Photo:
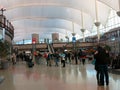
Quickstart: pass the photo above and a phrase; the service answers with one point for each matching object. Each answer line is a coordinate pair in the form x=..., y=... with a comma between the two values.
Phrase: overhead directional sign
x=73, y=39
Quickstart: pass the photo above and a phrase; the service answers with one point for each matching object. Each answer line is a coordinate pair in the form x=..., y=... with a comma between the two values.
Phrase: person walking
x=14, y=58
x=49, y=59
x=82, y=56
x=76, y=57
x=56, y=57
x=63, y=58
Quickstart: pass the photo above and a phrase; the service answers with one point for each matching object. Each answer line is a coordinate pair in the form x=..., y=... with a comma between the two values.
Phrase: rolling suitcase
x=30, y=64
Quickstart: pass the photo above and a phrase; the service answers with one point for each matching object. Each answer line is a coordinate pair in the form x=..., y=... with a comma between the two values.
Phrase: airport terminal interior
x=52, y=44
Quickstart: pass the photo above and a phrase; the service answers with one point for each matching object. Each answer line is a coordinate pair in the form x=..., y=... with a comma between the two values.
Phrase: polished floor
x=41, y=77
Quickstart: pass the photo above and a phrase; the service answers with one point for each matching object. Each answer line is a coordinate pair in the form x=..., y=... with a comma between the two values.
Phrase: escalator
x=50, y=48
x=53, y=51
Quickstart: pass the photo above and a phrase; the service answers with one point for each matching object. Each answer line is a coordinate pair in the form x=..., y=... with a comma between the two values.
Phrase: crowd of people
x=54, y=59
x=61, y=58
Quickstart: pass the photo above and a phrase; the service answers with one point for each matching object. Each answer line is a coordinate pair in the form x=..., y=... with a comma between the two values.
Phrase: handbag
x=93, y=62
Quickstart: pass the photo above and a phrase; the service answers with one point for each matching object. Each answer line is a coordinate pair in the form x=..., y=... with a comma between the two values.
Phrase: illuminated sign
x=33, y=40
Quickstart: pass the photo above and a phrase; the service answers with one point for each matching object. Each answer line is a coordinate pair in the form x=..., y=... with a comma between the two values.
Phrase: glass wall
x=112, y=22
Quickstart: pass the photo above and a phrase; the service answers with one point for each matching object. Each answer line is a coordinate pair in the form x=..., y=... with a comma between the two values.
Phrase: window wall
x=112, y=22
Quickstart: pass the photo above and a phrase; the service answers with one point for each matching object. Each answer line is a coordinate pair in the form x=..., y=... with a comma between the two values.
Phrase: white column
x=83, y=32
x=98, y=34
x=97, y=24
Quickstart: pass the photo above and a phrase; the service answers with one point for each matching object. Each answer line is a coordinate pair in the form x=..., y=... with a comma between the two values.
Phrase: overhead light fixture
x=118, y=13
x=66, y=37
x=97, y=24
x=73, y=34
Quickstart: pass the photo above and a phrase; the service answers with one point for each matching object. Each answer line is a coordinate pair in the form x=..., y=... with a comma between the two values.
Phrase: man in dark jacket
x=101, y=56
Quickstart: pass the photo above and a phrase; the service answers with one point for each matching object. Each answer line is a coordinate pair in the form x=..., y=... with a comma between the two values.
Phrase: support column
x=119, y=40
x=97, y=24
x=35, y=39
x=83, y=30
x=74, y=41
x=118, y=13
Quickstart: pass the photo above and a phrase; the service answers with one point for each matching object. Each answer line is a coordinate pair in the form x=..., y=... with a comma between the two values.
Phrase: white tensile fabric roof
x=55, y=16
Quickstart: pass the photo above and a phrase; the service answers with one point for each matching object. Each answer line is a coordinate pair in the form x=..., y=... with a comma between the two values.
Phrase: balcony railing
x=4, y=23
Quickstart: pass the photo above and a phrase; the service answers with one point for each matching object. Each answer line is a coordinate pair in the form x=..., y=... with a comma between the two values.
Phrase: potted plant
x=4, y=52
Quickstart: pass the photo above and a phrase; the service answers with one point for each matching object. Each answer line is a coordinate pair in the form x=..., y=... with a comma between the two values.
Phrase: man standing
x=101, y=56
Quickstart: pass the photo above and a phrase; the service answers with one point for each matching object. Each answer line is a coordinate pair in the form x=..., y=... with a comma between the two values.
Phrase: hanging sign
x=73, y=39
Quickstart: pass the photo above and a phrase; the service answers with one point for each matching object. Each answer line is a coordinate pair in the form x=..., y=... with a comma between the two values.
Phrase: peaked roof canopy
x=48, y=16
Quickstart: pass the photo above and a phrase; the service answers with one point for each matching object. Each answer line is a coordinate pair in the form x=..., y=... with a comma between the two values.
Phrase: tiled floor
x=72, y=77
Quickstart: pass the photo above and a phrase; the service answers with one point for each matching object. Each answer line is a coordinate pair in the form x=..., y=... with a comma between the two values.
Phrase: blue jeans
x=56, y=62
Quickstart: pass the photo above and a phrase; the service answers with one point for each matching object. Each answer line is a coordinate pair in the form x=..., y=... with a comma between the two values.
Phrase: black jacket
x=101, y=56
